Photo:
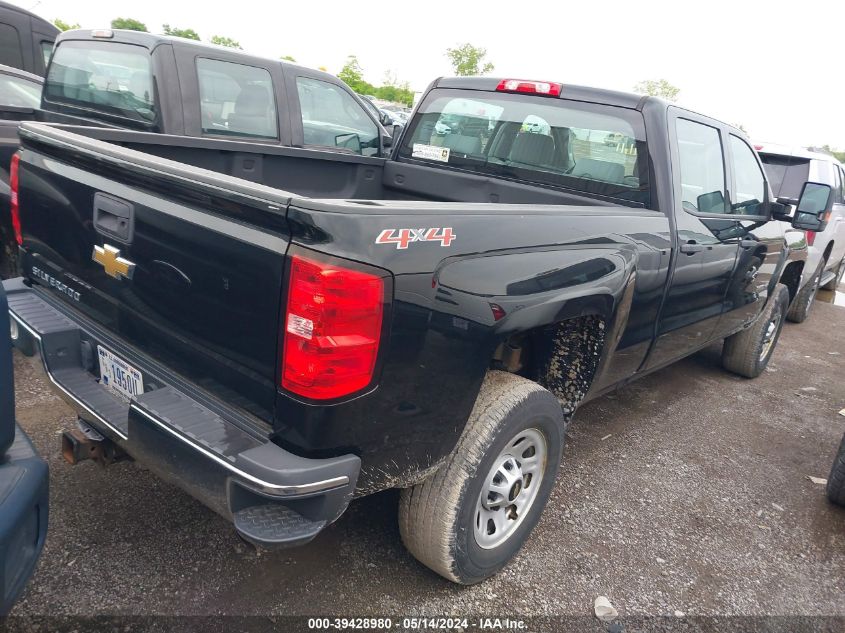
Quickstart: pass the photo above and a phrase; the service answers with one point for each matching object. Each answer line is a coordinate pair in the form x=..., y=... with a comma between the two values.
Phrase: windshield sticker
x=403, y=237
x=431, y=152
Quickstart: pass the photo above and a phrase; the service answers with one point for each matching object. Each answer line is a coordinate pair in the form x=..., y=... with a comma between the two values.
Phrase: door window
x=837, y=185
x=702, y=167
x=46, y=51
x=331, y=117
x=236, y=100
x=750, y=194
x=10, y=46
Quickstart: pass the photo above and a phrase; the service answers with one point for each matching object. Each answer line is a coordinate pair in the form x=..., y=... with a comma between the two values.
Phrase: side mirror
x=781, y=211
x=384, y=119
x=814, y=206
x=348, y=141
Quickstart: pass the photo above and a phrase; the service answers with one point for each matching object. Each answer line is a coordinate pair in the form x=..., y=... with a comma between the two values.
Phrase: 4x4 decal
x=403, y=237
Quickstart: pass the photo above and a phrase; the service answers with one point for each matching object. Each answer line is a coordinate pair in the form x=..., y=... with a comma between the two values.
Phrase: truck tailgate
x=182, y=263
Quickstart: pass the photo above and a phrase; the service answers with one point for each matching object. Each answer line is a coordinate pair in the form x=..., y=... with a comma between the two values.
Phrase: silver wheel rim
x=510, y=488
x=769, y=337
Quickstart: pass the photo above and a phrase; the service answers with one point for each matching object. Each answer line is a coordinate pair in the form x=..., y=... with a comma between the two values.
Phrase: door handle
x=749, y=244
x=691, y=247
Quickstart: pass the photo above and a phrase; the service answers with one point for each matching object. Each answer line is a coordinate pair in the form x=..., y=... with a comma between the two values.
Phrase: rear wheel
x=474, y=514
x=748, y=352
x=803, y=302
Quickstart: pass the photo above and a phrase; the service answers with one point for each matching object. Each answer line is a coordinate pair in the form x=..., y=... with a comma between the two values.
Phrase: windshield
x=110, y=77
x=591, y=148
x=787, y=174
x=19, y=92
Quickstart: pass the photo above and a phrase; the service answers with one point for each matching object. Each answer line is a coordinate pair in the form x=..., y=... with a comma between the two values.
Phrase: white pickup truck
x=788, y=168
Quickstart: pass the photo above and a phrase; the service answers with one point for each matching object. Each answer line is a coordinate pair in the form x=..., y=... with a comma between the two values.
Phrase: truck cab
x=26, y=40
x=170, y=85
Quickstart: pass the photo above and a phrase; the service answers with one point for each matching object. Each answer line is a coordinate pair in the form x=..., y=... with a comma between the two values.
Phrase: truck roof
x=795, y=151
x=576, y=93
x=48, y=27
x=151, y=40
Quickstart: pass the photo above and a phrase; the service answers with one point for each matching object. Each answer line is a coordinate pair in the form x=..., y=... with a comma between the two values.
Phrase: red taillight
x=332, y=329
x=811, y=237
x=13, y=199
x=545, y=88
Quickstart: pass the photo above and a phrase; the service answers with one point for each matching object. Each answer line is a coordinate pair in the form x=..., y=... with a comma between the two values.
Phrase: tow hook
x=85, y=443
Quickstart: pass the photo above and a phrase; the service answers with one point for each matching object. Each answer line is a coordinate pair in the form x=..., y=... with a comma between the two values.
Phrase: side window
x=702, y=167
x=236, y=100
x=332, y=118
x=749, y=181
x=842, y=174
x=46, y=51
x=837, y=185
x=10, y=46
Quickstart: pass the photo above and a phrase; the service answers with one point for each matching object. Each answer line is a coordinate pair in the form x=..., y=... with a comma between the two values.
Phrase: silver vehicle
x=788, y=168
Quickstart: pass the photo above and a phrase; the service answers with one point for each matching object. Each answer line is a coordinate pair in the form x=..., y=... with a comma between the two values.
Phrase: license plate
x=121, y=378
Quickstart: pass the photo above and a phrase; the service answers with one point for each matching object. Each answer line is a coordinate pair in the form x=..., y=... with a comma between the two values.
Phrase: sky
x=777, y=68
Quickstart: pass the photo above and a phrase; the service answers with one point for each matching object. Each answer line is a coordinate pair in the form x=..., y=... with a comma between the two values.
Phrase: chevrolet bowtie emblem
x=109, y=258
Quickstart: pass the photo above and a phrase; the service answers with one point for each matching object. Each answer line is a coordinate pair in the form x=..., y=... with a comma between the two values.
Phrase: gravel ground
x=687, y=490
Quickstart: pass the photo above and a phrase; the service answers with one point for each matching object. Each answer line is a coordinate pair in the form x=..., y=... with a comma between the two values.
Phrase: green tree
x=130, y=24
x=64, y=26
x=221, y=40
x=657, y=88
x=468, y=60
x=353, y=75
x=288, y=58
x=188, y=34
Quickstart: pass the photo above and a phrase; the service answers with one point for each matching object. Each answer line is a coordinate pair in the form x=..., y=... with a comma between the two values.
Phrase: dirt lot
x=686, y=491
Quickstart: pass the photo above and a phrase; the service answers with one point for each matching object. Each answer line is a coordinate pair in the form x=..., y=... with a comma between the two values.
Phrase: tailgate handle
x=114, y=218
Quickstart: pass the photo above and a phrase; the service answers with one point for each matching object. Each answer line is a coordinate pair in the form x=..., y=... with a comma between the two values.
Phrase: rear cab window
x=590, y=148
x=105, y=78
x=236, y=100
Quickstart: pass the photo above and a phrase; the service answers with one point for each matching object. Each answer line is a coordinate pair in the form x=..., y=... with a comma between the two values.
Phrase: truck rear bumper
x=23, y=516
x=273, y=497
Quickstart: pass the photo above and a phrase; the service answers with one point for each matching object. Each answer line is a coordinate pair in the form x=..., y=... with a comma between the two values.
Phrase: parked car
x=26, y=40
x=788, y=168
x=23, y=484
x=20, y=96
x=106, y=78
x=336, y=324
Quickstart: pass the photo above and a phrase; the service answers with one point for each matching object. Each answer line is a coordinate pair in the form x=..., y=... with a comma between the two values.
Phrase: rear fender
x=514, y=292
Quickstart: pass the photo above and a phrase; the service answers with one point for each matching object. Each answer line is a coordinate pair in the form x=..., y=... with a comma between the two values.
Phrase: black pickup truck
x=170, y=85
x=278, y=329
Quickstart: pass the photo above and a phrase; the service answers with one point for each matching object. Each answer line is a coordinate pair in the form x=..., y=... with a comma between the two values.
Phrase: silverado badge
x=109, y=258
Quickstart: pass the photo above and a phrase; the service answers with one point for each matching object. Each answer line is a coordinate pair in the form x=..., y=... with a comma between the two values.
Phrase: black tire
x=833, y=284
x=437, y=518
x=836, y=479
x=748, y=352
x=800, y=308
